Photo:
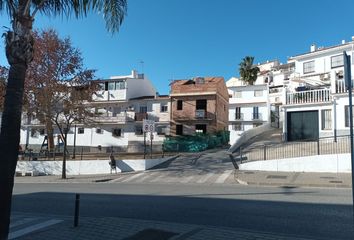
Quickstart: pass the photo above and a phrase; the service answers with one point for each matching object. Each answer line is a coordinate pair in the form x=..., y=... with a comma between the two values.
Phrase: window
x=337, y=61
x=161, y=130
x=179, y=129
x=143, y=109
x=200, y=128
x=163, y=108
x=99, y=131
x=256, y=114
x=327, y=119
x=347, y=116
x=101, y=86
x=309, y=67
x=111, y=85
x=80, y=130
x=258, y=93
x=237, y=127
x=34, y=133
x=42, y=131
x=120, y=85
x=179, y=105
x=238, y=114
x=117, y=132
x=238, y=94
x=201, y=104
x=139, y=130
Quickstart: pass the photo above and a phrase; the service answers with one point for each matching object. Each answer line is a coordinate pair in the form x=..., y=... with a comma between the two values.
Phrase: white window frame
x=337, y=61
x=309, y=67
x=326, y=119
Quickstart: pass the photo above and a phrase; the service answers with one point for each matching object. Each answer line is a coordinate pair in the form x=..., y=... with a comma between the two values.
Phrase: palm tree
x=248, y=71
x=19, y=53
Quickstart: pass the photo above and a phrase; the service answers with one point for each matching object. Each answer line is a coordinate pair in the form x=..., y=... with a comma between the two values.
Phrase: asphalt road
x=310, y=212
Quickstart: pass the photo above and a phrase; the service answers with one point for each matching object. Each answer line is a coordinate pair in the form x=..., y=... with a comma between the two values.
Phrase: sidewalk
x=109, y=228
x=294, y=179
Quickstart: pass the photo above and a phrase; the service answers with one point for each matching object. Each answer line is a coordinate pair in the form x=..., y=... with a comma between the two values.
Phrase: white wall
x=87, y=166
x=321, y=163
x=139, y=87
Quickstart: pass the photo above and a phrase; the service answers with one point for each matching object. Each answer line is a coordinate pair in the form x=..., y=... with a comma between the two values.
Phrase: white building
x=316, y=104
x=248, y=107
x=121, y=105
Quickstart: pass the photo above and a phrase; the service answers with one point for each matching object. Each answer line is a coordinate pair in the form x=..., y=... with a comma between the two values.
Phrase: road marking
x=132, y=177
x=21, y=222
x=186, y=179
x=224, y=176
x=205, y=178
x=33, y=228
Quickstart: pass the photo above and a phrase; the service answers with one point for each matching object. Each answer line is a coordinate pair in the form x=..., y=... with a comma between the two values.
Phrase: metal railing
x=322, y=146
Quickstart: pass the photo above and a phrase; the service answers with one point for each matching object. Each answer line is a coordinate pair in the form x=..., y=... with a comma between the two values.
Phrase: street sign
x=148, y=125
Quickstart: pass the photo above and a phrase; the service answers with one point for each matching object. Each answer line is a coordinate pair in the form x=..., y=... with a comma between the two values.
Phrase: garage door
x=302, y=125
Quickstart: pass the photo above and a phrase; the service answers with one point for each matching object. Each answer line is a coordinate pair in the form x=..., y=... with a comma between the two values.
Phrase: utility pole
x=348, y=83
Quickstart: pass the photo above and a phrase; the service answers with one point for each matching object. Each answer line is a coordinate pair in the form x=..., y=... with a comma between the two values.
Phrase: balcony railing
x=311, y=96
x=239, y=116
x=256, y=116
x=200, y=113
x=341, y=87
x=119, y=118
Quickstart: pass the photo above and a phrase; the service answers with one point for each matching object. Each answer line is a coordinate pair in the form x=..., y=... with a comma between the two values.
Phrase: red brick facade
x=205, y=104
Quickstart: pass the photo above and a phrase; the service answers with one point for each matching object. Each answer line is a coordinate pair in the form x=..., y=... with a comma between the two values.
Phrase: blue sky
x=186, y=38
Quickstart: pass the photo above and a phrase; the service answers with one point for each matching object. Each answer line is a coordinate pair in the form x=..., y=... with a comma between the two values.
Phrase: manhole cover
x=151, y=234
x=336, y=181
x=276, y=177
x=328, y=177
x=248, y=172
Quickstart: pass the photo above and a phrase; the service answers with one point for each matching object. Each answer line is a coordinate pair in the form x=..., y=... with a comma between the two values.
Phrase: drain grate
x=151, y=234
x=336, y=181
x=276, y=177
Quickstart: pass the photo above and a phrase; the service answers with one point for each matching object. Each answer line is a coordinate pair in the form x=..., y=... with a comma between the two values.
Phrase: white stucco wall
x=339, y=163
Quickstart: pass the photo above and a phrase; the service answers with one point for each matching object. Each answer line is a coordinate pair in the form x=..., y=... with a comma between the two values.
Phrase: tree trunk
x=9, y=142
x=63, y=173
x=19, y=53
x=50, y=134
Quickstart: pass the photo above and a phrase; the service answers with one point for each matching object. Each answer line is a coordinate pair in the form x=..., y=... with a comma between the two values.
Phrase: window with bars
x=309, y=67
x=327, y=119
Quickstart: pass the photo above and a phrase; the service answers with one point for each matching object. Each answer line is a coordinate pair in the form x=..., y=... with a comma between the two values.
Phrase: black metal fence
x=87, y=153
x=322, y=146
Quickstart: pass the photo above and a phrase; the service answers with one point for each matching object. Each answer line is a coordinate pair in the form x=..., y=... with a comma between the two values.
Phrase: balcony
x=341, y=87
x=200, y=114
x=119, y=118
x=239, y=116
x=256, y=116
x=311, y=96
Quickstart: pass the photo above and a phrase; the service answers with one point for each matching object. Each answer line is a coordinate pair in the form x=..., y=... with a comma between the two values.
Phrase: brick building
x=199, y=105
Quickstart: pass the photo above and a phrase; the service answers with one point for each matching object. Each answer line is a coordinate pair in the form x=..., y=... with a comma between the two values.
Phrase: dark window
x=337, y=61
x=238, y=113
x=99, y=130
x=200, y=128
x=179, y=105
x=164, y=108
x=201, y=104
x=256, y=114
x=179, y=129
x=34, y=133
x=161, y=130
x=143, y=109
x=81, y=131
x=117, y=132
x=238, y=127
x=42, y=131
x=139, y=130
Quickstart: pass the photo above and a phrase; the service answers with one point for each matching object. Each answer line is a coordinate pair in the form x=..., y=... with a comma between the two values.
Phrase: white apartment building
x=121, y=105
x=316, y=101
x=248, y=107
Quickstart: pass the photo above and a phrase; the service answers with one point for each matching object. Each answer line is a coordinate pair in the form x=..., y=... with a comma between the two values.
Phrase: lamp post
x=348, y=83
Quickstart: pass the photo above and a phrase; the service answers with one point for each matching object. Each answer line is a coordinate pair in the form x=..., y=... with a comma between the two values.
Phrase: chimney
x=134, y=74
x=313, y=47
x=343, y=41
x=352, y=38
